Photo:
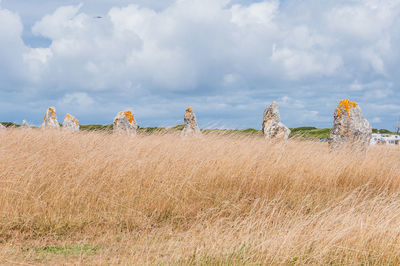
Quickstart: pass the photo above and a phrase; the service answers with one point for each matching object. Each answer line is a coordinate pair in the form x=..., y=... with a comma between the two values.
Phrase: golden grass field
x=95, y=198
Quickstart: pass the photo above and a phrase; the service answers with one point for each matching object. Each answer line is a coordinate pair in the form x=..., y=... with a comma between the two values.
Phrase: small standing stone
x=272, y=126
x=2, y=127
x=25, y=125
x=50, y=119
x=70, y=123
x=191, y=128
x=125, y=122
x=350, y=126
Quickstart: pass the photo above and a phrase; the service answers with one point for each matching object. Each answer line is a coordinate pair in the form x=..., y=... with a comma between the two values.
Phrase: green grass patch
x=383, y=131
x=310, y=132
x=176, y=128
x=96, y=127
x=152, y=129
x=67, y=250
x=245, y=132
x=302, y=129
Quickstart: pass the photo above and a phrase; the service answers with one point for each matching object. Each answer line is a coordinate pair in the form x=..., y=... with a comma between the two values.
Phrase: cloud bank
x=225, y=58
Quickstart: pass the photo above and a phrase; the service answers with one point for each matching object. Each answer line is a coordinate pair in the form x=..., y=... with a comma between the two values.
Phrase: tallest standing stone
x=350, y=126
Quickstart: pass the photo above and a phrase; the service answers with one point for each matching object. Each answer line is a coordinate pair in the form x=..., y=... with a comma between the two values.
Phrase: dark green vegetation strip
x=96, y=127
x=298, y=132
x=310, y=132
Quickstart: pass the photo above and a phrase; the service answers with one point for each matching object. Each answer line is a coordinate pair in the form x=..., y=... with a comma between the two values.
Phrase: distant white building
x=385, y=139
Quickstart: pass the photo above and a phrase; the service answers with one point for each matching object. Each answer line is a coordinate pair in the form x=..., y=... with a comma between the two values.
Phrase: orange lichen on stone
x=130, y=116
x=52, y=113
x=189, y=110
x=346, y=104
x=76, y=121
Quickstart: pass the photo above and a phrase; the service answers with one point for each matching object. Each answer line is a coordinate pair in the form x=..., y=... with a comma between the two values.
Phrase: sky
x=228, y=59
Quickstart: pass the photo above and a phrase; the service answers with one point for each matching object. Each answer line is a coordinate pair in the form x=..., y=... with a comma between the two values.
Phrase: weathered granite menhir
x=349, y=126
x=272, y=126
x=125, y=123
x=191, y=128
x=50, y=119
x=70, y=123
x=25, y=125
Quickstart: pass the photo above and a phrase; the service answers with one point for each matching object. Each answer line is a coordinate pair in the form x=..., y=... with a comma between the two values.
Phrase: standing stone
x=25, y=125
x=50, y=119
x=350, y=126
x=2, y=128
x=125, y=122
x=70, y=123
x=272, y=126
x=191, y=128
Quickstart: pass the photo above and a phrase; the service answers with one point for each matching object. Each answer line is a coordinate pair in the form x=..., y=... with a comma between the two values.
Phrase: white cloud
x=79, y=99
x=365, y=19
x=298, y=64
x=11, y=47
x=179, y=47
x=261, y=13
x=376, y=120
x=377, y=94
x=356, y=86
x=289, y=102
x=64, y=22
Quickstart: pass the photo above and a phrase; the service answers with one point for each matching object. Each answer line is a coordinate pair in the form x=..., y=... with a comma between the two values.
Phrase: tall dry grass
x=230, y=199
